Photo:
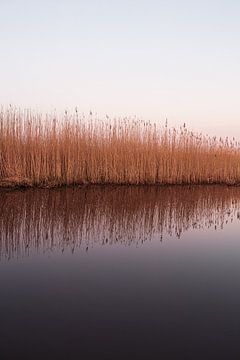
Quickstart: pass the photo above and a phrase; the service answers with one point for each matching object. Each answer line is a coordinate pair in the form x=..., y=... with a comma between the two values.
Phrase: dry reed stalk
x=38, y=150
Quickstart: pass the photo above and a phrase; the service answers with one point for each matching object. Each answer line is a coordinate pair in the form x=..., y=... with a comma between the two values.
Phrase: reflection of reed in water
x=46, y=219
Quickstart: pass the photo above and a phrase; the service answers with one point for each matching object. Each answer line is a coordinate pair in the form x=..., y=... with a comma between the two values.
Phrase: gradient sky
x=154, y=59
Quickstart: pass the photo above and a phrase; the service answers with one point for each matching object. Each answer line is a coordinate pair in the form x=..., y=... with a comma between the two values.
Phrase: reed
x=49, y=151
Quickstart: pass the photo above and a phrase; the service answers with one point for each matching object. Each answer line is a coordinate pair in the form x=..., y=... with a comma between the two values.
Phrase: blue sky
x=153, y=59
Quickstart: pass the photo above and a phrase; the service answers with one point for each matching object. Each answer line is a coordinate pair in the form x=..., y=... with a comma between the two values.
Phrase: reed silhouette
x=68, y=218
x=51, y=151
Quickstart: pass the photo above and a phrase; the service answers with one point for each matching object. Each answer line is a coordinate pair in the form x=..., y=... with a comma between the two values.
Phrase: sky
x=171, y=59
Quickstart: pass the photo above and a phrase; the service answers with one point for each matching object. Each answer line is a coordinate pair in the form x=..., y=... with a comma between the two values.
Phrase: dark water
x=120, y=273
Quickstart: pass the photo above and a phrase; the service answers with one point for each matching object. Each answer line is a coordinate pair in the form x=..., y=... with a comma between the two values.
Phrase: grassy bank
x=37, y=150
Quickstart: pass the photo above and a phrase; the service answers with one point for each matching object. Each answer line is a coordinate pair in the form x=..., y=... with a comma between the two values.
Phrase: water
x=120, y=273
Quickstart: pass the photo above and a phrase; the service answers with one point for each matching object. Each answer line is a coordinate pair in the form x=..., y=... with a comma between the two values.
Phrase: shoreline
x=6, y=185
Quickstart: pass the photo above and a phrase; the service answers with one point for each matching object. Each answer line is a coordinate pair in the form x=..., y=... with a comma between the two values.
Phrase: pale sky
x=154, y=59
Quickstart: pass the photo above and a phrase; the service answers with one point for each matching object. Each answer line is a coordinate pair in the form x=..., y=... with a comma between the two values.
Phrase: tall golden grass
x=37, y=150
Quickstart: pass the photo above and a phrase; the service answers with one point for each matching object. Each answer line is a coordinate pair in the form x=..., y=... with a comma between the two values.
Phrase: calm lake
x=107, y=272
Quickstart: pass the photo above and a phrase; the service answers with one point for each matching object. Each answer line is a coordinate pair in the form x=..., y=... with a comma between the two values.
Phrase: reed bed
x=50, y=150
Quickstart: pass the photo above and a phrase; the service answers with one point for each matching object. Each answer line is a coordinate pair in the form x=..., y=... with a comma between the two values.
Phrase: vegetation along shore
x=72, y=149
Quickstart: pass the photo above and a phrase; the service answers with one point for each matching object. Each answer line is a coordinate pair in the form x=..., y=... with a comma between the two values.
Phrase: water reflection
x=69, y=218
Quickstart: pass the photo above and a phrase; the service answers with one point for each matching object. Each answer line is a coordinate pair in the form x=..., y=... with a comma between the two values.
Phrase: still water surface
x=120, y=273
